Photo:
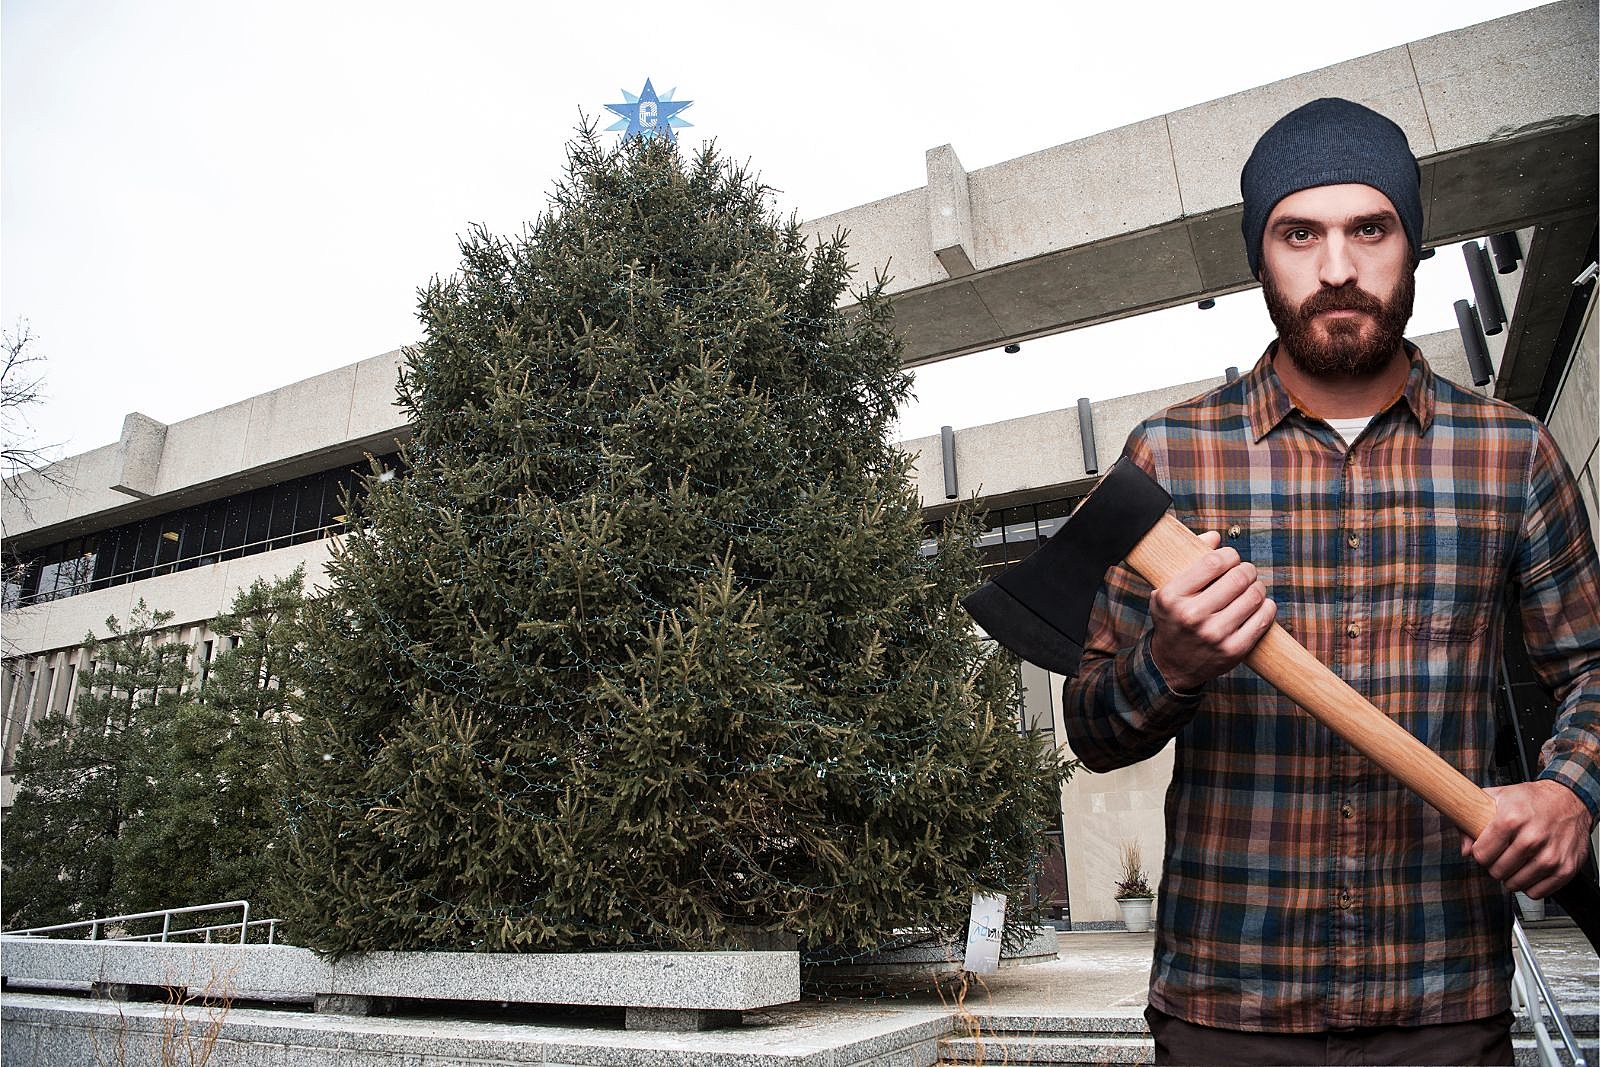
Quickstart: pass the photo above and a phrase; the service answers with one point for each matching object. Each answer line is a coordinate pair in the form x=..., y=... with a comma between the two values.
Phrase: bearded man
x=1312, y=910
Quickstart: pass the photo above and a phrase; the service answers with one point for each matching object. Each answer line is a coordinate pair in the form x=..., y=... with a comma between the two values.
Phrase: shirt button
x=1234, y=531
x=1353, y=632
x=1348, y=811
x=1344, y=899
x=1354, y=540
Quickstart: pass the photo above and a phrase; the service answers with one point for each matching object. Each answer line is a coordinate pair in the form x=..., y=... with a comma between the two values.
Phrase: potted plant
x=1133, y=891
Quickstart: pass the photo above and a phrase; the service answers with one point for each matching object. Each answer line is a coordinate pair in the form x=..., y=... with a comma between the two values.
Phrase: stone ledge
x=49, y=1031
x=695, y=981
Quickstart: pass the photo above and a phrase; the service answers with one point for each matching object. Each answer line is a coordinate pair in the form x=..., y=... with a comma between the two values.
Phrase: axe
x=1039, y=609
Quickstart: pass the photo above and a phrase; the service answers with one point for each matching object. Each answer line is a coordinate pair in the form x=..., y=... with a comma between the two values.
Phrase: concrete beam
x=1502, y=116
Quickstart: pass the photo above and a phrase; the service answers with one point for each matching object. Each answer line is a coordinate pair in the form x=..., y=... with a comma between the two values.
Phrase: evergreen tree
x=80, y=780
x=644, y=649
x=209, y=829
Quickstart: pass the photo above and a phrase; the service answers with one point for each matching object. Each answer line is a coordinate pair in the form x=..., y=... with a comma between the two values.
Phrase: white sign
x=983, y=932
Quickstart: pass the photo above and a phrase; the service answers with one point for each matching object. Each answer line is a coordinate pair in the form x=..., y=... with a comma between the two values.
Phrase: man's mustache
x=1344, y=298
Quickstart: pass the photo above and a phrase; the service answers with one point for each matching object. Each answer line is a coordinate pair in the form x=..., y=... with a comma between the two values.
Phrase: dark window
x=237, y=527
x=256, y=530
x=334, y=493
x=105, y=563
x=1020, y=525
x=19, y=575
x=308, y=507
x=1021, y=532
x=147, y=544
x=283, y=511
x=49, y=571
x=216, y=519
x=290, y=512
x=1052, y=513
x=77, y=566
x=191, y=526
x=169, y=541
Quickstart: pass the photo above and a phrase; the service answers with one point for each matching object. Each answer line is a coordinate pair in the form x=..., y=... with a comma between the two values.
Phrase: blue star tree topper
x=649, y=115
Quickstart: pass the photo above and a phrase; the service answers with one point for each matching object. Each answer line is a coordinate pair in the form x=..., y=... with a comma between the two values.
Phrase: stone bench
x=658, y=990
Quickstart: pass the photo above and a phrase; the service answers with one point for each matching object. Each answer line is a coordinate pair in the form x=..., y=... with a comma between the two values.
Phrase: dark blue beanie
x=1329, y=142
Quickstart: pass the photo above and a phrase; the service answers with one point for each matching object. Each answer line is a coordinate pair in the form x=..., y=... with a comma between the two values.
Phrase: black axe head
x=1039, y=609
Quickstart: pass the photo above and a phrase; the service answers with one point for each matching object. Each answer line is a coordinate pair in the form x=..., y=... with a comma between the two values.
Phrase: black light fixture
x=1486, y=294
x=1207, y=304
x=1091, y=461
x=1012, y=350
x=1472, y=340
x=1507, y=251
x=947, y=443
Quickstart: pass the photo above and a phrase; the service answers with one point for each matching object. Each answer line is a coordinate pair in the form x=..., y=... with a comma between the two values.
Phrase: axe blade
x=1039, y=609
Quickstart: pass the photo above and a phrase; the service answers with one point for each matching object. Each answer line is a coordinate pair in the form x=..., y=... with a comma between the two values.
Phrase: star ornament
x=649, y=115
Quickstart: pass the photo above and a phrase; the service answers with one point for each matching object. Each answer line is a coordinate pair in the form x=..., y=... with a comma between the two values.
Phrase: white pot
x=1136, y=913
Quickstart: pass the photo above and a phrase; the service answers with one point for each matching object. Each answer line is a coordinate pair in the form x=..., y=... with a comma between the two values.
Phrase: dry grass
x=190, y=1027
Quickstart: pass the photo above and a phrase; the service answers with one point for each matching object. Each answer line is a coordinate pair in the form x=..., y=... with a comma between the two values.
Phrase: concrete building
x=1503, y=117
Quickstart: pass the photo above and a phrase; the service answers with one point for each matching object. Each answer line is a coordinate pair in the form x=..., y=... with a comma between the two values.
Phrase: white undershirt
x=1350, y=429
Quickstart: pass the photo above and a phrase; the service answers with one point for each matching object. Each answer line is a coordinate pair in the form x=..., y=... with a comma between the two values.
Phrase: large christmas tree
x=644, y=648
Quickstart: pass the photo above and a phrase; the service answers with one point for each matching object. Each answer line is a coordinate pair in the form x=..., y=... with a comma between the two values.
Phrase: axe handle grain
x=1170, y=547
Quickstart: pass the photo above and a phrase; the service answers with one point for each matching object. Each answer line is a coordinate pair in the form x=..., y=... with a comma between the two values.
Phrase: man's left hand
x=1537, y=839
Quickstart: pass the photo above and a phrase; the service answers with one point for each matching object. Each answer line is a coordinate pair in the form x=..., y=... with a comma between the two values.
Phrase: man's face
x=1336, y=271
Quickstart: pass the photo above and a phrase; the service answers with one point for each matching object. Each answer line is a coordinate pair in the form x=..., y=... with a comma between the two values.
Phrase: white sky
x=201, y=201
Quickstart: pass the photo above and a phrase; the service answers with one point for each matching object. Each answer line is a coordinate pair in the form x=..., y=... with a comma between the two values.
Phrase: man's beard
x=1347, y=350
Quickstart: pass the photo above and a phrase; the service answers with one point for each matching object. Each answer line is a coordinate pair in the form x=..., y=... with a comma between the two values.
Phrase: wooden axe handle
x=1170, y=547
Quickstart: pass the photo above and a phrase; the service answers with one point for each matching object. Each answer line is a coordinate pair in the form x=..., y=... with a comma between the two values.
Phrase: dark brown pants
x=1482, y=1041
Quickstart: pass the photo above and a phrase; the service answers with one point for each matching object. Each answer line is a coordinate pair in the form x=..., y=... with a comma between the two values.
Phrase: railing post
x=166, y=923
x=244, y=924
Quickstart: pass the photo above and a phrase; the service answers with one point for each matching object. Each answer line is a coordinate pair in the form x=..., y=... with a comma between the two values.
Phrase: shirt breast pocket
x=1263, y=538
x=1452, y=568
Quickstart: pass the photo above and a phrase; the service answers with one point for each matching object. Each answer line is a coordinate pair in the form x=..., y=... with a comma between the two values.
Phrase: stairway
x=1056, y=1040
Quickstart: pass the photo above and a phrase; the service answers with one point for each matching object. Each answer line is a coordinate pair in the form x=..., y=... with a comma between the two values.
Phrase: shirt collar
x=1268, y=403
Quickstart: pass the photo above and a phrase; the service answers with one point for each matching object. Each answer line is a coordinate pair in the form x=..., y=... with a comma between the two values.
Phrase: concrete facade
x=303, y=427
x=1146, y=216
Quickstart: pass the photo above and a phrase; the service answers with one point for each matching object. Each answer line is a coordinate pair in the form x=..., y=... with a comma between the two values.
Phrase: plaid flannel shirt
x=1303, y=888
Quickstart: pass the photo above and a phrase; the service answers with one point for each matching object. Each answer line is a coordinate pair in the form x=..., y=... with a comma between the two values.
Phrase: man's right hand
x=1208, y=617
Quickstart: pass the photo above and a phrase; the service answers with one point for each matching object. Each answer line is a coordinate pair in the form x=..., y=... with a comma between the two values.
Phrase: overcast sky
x=204, y=201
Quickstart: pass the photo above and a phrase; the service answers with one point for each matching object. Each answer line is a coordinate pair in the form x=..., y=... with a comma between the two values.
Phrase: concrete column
x=949, y=212
x=138, y=459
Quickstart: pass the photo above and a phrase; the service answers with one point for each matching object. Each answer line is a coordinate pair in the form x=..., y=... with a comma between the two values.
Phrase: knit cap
x=1329, y=142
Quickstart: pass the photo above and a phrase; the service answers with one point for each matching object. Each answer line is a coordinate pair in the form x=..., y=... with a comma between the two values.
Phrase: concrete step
x=1067, y=1040
x=1018, y=1050
x=1042, y=1050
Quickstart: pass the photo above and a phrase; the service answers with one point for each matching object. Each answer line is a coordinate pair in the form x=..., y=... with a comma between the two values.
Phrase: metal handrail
x=164, y=914
x=1528, y=964
x=270, y=924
